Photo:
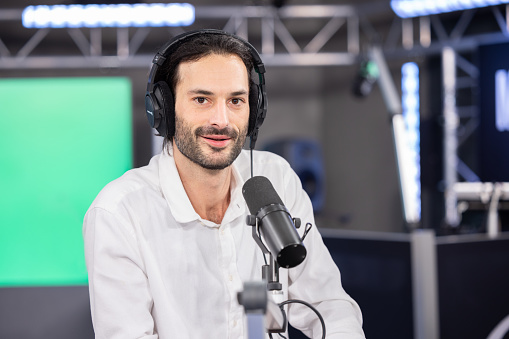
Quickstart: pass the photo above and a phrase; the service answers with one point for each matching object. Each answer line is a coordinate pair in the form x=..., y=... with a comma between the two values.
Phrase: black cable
x=282, y=336
x=311, y=307
x=285, y=321
x=251, y=162
x=257, y=229
x=260, y=237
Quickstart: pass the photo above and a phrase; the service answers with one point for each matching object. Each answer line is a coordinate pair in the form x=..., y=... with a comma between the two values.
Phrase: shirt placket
x=232, y=281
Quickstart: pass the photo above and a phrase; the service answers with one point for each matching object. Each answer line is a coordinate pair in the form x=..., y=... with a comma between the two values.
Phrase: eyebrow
x=239, y=93
x=205, y=92
x=199, y=91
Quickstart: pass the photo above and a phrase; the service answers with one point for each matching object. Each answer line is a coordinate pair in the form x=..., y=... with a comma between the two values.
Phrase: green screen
x=61, y=141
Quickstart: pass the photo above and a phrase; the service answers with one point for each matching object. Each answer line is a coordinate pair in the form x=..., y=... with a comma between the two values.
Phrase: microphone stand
x=263, y=301
x=275, y=320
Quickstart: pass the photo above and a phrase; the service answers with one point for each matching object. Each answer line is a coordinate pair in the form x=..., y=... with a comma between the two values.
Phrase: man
x=167, y=245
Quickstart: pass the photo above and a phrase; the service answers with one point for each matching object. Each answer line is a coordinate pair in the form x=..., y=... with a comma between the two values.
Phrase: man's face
x=212, y=110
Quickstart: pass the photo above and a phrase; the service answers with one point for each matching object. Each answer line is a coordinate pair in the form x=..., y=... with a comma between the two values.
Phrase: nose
x=219, y=116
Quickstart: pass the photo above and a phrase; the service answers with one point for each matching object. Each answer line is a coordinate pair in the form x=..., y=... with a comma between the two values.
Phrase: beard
x=188, y=144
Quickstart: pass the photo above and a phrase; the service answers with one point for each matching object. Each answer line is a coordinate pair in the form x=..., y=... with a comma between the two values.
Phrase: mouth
x=216, y=140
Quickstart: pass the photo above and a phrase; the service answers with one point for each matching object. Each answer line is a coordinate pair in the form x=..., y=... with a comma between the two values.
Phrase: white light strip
x=413, y=8
x=121, y=15
x=502, y=100
x=411, y=116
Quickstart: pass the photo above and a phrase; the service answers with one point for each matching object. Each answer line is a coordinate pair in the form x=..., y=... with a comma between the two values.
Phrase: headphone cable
x=251, y=162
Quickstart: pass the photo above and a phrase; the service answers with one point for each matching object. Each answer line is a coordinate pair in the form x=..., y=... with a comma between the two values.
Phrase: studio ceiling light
x=413, y=8
x=120, y=15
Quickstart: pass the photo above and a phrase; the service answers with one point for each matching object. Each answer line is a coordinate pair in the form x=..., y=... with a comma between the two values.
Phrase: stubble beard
x=188, y=144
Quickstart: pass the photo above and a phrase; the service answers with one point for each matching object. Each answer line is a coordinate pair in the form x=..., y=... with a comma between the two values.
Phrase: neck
x=208, y=190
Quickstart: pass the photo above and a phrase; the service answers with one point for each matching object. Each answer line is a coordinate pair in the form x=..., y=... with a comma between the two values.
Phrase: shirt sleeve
x=119, y=295
x=318, y=280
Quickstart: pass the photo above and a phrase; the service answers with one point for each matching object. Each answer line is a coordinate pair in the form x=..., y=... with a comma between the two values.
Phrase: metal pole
x=425, y=285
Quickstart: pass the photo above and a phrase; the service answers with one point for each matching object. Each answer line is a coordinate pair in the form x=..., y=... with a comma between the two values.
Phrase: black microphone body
x=275, y=222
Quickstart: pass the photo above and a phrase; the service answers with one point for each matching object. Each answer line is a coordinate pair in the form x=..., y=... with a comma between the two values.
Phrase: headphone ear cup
x=166, y=103
x=253, y=107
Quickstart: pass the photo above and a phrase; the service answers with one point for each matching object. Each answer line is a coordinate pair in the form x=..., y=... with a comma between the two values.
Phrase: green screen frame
x=61, y=141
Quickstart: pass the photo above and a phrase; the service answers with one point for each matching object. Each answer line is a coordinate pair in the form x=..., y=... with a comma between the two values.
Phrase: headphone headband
x=164, y=51
x=159, y=101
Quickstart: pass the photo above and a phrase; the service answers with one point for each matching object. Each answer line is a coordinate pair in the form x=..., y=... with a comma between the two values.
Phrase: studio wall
x=362, y=189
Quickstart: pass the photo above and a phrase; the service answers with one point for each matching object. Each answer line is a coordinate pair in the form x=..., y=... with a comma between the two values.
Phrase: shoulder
x=131, y=184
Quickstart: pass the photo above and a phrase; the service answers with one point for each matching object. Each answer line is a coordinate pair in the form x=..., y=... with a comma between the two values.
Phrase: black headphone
x=159, y=101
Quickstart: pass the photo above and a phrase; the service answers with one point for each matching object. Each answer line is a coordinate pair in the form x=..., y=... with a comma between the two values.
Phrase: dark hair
x=199, y=46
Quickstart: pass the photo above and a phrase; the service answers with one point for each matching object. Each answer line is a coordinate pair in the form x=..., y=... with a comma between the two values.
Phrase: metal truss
x=304, y=35
x=461, y=183
x=429, y=35
x=277, y=45
x=460, y=118
x=460, y=122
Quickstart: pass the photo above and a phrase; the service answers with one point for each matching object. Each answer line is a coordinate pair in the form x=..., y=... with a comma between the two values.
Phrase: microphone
x=275, y=222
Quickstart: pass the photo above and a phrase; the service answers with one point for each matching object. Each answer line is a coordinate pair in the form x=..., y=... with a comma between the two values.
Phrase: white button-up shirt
x=158, y=270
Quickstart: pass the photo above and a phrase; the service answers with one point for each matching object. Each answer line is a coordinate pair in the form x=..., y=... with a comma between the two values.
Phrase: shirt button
x=234, y=323
x=230, y=277
x=222, y=232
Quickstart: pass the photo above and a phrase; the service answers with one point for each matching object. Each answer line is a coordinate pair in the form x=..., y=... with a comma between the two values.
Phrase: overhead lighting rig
x=102, y=15
x=415, y=8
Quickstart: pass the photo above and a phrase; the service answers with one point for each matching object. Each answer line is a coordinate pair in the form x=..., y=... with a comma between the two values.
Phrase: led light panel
x=414, y=8
x=61, y=141
x=121, y=15
x=410, y=110
x=502, y=100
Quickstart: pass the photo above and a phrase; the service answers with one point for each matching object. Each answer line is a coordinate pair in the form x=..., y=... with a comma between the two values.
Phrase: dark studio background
x=341, y=146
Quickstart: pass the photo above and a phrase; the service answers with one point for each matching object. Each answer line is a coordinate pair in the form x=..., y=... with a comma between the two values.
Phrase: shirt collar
x=237, y=203
x=178, y=201
x=173, y=190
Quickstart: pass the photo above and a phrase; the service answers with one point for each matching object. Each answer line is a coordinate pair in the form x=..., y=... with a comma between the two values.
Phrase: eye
x=237, y=101
x=200, y=100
